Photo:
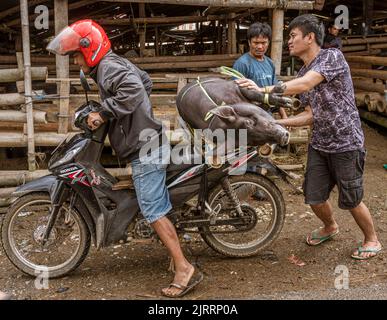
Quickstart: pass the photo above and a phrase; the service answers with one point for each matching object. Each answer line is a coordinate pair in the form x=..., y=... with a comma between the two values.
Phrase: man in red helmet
x=124, y=90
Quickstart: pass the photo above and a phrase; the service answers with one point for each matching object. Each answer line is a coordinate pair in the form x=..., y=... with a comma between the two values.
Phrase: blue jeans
x=149, y=177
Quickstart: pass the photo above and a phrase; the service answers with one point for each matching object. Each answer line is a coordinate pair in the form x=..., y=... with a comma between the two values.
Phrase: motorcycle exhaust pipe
x=266, y=150
x=296, y=104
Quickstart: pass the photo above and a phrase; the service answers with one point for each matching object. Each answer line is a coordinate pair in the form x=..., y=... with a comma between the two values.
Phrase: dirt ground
x=138, y=271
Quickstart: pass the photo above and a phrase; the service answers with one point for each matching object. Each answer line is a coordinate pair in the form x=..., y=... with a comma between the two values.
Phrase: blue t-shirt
x=261, y=72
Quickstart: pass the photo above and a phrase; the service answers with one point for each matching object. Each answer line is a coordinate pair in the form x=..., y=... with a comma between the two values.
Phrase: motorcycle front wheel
x=263, y=216
x=22, y=231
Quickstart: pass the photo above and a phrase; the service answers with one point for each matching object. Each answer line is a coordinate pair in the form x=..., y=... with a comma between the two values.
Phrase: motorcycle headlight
x=66, y=158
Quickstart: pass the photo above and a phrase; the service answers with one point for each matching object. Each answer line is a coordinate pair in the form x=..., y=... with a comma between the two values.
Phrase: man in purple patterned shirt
x=336, y=152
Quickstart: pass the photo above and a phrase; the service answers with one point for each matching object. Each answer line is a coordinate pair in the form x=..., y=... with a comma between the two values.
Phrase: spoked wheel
x=261, y=221
x=22, y=233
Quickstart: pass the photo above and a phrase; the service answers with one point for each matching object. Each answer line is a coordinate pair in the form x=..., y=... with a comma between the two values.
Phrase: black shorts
x=325, y=170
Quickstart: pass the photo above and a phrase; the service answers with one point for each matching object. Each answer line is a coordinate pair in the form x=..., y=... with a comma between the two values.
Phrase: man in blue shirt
x=254, y=64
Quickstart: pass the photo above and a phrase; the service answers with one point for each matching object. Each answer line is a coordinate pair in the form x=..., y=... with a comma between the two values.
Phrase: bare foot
x=373, y=246
x=322, y=232
x=182, y=278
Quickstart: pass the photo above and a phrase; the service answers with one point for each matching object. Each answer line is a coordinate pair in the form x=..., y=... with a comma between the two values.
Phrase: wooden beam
x=207, y=57
x=156, y=20
x=375, y=39
x=72, y=6
x=285, y=4
x=16, y=9
x=28, y=84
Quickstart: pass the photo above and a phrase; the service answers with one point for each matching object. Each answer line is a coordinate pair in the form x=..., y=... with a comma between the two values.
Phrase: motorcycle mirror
x=84, y=83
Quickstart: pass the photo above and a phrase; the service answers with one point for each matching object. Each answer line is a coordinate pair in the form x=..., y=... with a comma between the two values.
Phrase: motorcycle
x=53, y=220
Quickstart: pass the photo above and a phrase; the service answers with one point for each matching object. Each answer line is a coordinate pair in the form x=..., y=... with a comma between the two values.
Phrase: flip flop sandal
x=315, y=236
x=361, y=249
x=193, y=282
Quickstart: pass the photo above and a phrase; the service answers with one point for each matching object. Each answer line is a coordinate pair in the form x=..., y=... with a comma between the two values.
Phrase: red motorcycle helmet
x=85, y=36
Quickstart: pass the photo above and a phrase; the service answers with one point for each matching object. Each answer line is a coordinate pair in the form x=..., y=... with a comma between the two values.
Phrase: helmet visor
x=66, y=42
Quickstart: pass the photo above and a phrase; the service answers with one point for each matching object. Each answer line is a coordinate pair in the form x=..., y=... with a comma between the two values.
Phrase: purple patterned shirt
x=336, y=121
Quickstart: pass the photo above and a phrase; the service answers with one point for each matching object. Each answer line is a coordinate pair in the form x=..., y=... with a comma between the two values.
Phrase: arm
x=305, y=118
x=127, y=93
x=295, y=86
x=146, y=80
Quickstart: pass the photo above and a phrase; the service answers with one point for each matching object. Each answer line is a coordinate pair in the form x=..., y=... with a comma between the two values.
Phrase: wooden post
x=368, y=10
x=62, y=66
x=20, y=83
x=28, y=84
x=157, y=40
x=141, y=11
x=231, y=44
x=277, y=39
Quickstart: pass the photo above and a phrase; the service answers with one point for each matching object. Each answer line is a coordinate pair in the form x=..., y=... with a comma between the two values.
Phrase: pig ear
x=226, y=113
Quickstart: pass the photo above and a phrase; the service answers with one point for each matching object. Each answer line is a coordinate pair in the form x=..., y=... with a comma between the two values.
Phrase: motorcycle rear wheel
x=266, y=213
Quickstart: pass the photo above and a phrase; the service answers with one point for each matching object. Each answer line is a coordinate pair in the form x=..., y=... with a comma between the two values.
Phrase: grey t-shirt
x=336, y=121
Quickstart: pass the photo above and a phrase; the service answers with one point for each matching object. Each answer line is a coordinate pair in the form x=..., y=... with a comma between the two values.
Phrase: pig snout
x=282, y=136
x=285, y=139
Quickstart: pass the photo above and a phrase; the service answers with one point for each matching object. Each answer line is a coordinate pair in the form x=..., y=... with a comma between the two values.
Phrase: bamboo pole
x=9, y=99
x=370, y=116
x=360, y=99
x=381, y=106
x=364, y=47
x=380, y=61
x=364, y=40
x=18, y=116
x=375, y=74
x=28, y=84
x=10, y=178
x=62, y=66
x=277, y=39
x=366, y=85
x=13, y=75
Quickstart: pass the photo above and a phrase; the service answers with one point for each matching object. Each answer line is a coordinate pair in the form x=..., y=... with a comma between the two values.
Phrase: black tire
x=275, y=196
x=12, y=253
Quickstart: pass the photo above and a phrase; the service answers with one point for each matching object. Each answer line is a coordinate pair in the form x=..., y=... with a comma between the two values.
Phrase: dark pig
x=216, y=103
